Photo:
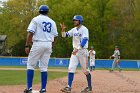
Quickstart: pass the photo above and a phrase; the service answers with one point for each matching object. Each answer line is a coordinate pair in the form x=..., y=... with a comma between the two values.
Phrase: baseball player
x=80, y=37
x=116, y=57
x=41, y=32
x=92, y=58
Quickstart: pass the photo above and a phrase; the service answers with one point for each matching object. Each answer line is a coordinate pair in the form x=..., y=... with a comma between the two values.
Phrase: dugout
x=2, y=43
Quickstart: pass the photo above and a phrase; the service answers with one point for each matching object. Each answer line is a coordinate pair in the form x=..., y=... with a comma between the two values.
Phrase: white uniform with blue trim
x=45, y=30
x=82, y=54
x=78, y=35
x=92, y=57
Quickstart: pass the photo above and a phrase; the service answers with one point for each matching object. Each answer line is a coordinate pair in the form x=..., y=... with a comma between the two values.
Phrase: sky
x=2, y=1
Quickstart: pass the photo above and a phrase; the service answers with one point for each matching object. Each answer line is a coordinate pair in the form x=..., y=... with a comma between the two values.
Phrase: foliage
x=110, y=23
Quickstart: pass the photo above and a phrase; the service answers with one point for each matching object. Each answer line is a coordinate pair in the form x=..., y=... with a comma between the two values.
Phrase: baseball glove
x=118, y=61
x=111, y=57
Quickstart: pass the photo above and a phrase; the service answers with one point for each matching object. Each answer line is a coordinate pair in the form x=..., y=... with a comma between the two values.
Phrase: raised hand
x=62, y=25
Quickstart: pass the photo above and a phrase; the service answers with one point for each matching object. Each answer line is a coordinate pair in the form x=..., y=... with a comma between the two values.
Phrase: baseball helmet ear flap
x=43, y=8
x=78, y=17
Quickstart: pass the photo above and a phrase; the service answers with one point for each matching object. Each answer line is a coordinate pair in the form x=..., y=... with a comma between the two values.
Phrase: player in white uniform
x=80, y=37
x=116, y=57
x=92, y=58
x=41, y=32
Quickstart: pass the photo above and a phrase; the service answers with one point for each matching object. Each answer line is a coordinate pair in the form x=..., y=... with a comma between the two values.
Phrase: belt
x=40, y=41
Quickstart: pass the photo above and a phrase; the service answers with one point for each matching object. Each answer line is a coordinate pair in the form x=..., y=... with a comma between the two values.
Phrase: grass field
x=125, y=69
x=18, y=77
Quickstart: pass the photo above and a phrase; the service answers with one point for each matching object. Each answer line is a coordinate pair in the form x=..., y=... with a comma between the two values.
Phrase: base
x=35, y=91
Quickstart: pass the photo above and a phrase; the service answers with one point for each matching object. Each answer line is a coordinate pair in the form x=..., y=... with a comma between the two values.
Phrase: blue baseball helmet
x=43, y=8
x=78, y=17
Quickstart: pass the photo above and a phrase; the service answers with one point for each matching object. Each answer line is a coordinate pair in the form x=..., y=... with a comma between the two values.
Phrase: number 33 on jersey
x=44, y=28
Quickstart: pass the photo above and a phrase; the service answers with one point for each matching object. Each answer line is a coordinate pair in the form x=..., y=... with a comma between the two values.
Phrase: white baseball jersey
x=92, y=54
x=92, y=57
x=116, y=54
x=78, y=36
x=44, y=29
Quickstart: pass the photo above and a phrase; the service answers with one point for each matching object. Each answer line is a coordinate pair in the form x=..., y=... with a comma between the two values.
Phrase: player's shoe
x=27, y=91
x=66, y=89
x=120, y=70
x=42, y=91
x=111, y=70
x=87, y=90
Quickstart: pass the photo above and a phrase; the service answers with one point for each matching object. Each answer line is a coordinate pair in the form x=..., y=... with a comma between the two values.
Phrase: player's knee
x=44, y=69
x=30, y=67
x=72, y=69
x=86, y=72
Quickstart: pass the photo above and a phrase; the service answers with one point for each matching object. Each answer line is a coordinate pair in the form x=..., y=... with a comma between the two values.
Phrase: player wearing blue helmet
x=78, y=17
x=41, y=32
x=80, y=37
x=43, y=9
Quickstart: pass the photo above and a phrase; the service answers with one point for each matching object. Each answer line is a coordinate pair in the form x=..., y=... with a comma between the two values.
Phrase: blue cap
x=78, y=17
x=44, y=8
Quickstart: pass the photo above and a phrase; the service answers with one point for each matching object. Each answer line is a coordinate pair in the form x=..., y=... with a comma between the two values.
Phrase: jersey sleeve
x=85, y=34
x=94, y=52
x=69, y=33
x=118, y=52
x=32, y=26
x=55, y=33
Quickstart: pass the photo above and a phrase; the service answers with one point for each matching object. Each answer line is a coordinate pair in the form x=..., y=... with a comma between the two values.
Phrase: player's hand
x=74, y=51
x=27, y=50
x=62, y=25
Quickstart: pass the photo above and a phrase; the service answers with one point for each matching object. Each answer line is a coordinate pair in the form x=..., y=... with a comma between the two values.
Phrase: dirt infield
x=103, y=82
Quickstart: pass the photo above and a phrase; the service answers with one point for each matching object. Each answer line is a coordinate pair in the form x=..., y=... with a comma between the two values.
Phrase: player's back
x=45, y=28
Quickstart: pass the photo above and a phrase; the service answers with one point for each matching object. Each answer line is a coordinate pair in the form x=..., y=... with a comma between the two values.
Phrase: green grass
x=12, y=66
x=26, y=66
x=15, y=77
x=78, y=68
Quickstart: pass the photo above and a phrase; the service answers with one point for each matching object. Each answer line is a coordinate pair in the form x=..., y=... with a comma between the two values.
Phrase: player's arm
x=31, y=30
x=119, y=55
x=83, y=43
x=55, y=33
x=84, y=39
x=28, y=42
x=63, y=27
x=118, y=59
x=65, y=34
x=54, y=42
x=112, y=56
x=93, y=52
